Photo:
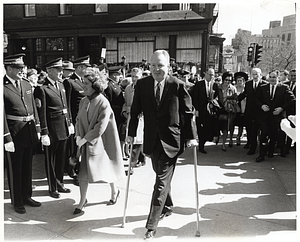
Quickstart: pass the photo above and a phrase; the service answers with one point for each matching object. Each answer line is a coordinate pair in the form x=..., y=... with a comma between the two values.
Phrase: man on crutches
x=168, y=124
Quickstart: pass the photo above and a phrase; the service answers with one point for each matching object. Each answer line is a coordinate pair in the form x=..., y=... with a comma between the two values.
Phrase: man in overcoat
x=56, y=125
x=21, y=132
x=168, y=116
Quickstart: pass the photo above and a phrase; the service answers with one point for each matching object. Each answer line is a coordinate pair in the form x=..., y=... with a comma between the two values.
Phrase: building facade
x=48, y=31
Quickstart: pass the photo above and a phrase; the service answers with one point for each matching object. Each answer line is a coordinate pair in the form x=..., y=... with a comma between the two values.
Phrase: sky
x=253, y=15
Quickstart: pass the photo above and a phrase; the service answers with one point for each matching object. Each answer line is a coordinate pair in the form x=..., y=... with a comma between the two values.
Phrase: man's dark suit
x=269, y=123
x=165, y=129
x=205, y=122
x=55, y=118
x=251, y=113
x=115, y=96
x=74, y=92
x=24, y=136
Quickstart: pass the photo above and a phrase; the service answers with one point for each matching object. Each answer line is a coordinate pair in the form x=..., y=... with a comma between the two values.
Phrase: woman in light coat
x=97, y=138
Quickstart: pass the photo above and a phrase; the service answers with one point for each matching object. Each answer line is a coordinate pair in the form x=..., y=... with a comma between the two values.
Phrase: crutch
x=127, y=187
x=196, y=190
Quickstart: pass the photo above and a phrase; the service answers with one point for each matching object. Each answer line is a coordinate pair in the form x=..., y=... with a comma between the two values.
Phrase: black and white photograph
x=159, y=120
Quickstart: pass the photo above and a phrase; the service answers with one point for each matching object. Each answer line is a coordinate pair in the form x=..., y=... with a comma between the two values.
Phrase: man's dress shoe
x=167, y=211
x=150, y=234
x=54, y=194
x=63, y=189
x=203, y=151
x=260, y=159
x=32, y=203
x=250, y=152
x=20, y=209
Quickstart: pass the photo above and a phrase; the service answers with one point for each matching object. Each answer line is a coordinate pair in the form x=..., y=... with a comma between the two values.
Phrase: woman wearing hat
x=97, y=138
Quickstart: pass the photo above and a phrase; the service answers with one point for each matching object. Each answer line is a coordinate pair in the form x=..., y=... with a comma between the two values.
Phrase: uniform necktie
x=272, y=92
x=157, y=94
x=17, y=83
x=56, y=85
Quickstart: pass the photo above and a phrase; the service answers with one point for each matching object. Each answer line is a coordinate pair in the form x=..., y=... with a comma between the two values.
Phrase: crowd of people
x=88, y=118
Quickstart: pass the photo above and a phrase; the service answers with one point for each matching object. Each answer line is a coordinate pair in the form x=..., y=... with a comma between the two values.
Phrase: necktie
x=17, y=83
x=207, y=89
x=272, y=92
x=56, y=85
x=255, y=85
x=157, y=95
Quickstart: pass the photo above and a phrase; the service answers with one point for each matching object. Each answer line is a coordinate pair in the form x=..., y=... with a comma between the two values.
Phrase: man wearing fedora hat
x=21, y=132
x=68, y=69
x=74, y=90
x=56, y=125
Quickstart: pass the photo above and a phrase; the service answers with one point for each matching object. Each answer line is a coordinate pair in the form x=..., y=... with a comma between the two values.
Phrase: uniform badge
x=28, y=92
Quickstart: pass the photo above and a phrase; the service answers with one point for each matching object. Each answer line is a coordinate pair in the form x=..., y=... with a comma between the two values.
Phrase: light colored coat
x=101, y=156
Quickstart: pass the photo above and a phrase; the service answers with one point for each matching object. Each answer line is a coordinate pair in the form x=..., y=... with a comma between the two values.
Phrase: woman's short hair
x=226, y=74
x=97, y=78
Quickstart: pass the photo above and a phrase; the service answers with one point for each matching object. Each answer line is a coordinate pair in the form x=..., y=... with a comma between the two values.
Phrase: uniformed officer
x=114, y=93
x=21, y=132
x=68, y=69
x=56, y=125
x=74, y=90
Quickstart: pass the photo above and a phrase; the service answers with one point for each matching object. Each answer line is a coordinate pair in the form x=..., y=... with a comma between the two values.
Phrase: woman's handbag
x=74, y=164
x=232, y=106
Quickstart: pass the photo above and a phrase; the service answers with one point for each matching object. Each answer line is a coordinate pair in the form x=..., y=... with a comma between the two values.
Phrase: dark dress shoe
x=283, y=153
x=246, y=146
x=20, y=209
x=150, y=234
x=260, y=159
x=131, y=172
x=270, y=155
x=250, y=152
x=113, y=202
x=32, y=203
x=54, y=194
x=63, y=189
x=203, y=151
x=167, y=211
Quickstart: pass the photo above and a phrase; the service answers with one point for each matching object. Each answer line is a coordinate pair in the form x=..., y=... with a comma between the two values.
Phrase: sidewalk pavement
x=240, y=200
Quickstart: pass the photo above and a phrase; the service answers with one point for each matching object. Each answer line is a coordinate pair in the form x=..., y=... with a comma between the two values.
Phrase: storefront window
x=54, y=44
x=39, y=60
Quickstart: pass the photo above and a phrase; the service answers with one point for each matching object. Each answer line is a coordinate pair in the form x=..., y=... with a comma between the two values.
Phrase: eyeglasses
x=228, y=80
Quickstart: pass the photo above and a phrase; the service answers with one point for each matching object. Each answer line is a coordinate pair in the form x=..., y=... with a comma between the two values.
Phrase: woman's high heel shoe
x=113, y=202
x=78, y=210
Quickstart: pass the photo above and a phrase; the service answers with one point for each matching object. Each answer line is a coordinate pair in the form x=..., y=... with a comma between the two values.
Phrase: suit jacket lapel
x=152, y=90
x=166, y=88
x=50, y=86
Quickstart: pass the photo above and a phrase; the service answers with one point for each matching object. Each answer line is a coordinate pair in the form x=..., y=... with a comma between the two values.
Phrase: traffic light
x=250, y=53
x=257, y=54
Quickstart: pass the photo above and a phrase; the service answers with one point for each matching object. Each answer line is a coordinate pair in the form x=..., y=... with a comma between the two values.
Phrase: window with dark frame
x=65, y=9
x=154, y=6
x=101, y=8
x=29, y=10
